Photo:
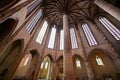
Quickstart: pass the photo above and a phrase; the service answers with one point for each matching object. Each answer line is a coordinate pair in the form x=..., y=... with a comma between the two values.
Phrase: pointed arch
x=79, y=67
x=59, y=58
x=104, y=52
x=103, y=66
x=23, y=66
x=6, y=28
x=60, y=66
x=28, y=66
x=8, y=57
x=50, y=56
x=45, y=68
x=33, y=62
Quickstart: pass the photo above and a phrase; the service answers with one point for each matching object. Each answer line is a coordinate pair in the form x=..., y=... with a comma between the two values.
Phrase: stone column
x=37, y=69
x=89, y=70
x=67, y=54
x=53, y=74
x=109, y=8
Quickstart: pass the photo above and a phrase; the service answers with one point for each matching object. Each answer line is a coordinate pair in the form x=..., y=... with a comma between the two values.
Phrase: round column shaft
x=67, y=54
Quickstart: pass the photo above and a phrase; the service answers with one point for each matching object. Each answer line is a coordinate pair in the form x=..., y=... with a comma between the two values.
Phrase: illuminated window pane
x=52, y=38
x=42, y=65
x=26, y=61
x=61, y=40
x=78, y=64
x=89, y=35
x=46, y=65
x=73, y=38
x=33, y=22
x=42, y=32
x=99, y=61
x=110, y=27
x=33, y=6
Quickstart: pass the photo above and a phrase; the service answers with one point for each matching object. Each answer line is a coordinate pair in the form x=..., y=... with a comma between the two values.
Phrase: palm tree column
x=69, y=73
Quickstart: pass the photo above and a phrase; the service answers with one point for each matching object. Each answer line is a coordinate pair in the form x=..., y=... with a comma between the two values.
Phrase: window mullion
x=52, y=38
x=109, y=26
x=106, y=26
x=92, y=37
x=76, y=45
x=42, y=32
x=86, y=33
x=90, y=34
x=116, y=31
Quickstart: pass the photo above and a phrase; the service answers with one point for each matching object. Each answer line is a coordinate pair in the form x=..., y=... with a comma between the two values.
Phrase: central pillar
x=109, y=8
x=69, y=73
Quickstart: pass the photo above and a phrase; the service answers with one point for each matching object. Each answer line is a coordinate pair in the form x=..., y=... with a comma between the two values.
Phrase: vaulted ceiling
x=77, y=10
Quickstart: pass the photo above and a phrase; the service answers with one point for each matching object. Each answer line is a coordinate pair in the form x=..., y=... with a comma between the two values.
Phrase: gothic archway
x=31, y=71
x=79, y=68
x=45, y=69
x=60, y=69
x=23, y=67
x=9, y=60
x=6, y=28
x=102, y=65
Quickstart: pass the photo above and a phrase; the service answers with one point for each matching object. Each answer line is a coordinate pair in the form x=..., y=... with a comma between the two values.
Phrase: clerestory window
x=42, y=32
x=30, y=27
x=110, y=27
x=90, y=38
x=52, y=38
x=73, y=38
x=61, y=40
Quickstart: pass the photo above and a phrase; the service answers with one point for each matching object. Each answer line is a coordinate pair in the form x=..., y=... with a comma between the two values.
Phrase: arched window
x=61, y=40
x=45, y=71
x=33, y=22
x=89, y=35
x=99, y=61
x=26, y=61
x=33, y=6
x=42, y=65
x=73, y=38
x=52, y=38
x=78, y=64
x=110, y=27
x=42, y=32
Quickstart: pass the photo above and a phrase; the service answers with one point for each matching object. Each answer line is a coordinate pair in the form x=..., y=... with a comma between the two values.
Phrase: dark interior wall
x=114, y=2
x=6, y=28
x=8, y=59
x=117, y=3
x=4, y=4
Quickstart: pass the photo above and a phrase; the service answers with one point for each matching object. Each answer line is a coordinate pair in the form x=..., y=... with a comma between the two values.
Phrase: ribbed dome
x=76, y=10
